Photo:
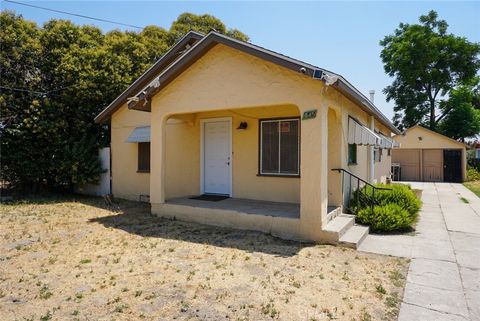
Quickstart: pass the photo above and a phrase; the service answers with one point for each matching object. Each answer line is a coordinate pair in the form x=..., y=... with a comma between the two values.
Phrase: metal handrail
x=370, y=199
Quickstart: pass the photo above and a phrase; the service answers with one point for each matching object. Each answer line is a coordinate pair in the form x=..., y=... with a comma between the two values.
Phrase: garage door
x=409, y=160
x=433, y=165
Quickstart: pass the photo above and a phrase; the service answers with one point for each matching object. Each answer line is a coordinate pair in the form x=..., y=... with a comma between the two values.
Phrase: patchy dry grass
x=79, y=260
x=474, y=186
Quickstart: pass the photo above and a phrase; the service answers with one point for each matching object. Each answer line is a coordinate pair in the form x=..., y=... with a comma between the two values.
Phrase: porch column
x=314, y=173
x=157, y=158
x=336, y=155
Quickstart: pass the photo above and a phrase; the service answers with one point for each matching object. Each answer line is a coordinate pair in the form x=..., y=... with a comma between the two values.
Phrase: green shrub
x=473, y=174
x=385, y=218
x=399, y=194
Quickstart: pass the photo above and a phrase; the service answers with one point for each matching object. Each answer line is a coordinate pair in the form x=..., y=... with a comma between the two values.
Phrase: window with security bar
x=279, y=147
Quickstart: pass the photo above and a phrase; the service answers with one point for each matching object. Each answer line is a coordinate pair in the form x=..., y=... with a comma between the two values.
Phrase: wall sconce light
x=243, y=125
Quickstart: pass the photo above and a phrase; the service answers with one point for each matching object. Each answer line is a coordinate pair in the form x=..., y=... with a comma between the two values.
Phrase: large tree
x=55, y=79
x=426, y=63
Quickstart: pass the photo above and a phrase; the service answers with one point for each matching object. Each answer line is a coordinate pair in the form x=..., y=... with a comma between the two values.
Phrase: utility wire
x=74, y=14
x=44, y=93
x=24, y=90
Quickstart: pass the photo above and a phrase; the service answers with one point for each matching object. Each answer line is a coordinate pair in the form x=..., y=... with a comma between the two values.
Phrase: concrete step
x=354, y=236
x=339, y=225
x=333, y=211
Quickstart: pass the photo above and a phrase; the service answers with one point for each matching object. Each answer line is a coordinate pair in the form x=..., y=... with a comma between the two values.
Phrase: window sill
x=143, y=171
x=351, y=164
x=279, y=175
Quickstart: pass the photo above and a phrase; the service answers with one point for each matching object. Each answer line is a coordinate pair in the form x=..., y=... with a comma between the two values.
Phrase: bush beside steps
x=394, y=210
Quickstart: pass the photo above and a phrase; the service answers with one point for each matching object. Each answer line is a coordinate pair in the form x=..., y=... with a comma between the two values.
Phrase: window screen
x=143, y=157
x=352, y=154
x=279, y=146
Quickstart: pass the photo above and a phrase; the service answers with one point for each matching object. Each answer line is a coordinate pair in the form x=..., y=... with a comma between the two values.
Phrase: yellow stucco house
x=223, y=132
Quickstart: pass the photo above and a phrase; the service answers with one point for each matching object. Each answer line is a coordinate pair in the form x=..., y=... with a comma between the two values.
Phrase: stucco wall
x=183, y=156
x=428, y=140
x=383, y=168
x=126, y=182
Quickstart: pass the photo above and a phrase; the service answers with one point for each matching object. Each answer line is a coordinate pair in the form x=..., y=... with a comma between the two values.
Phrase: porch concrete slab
x=451, y=302
x=248, y=206
x=410, y=312
x=434, y=273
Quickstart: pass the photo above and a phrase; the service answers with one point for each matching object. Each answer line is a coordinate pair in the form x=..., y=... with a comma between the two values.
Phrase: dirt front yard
x=77, y=259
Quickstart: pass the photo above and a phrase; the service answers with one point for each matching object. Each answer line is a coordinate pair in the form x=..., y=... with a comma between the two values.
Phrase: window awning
x=388, y=142
x=139, y=135
x=361, y=135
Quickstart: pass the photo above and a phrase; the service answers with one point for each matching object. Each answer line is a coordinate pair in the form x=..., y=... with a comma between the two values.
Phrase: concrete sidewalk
x=443, y=281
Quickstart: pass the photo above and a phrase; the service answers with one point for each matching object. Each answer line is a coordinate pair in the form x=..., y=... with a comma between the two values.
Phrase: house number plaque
x=309, y=114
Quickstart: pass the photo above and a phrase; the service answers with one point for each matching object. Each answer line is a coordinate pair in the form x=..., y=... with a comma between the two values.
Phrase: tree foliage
x=426, y=63
x=203, y=24
x=462, y=115
x=56, y=78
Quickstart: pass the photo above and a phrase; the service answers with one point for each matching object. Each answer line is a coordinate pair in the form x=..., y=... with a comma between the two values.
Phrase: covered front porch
x=262, y=160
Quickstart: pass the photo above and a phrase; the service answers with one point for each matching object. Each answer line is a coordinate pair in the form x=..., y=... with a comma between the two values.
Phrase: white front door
x=216, y=156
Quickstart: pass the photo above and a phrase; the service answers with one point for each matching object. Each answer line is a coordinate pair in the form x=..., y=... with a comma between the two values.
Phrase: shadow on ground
x=135, y=218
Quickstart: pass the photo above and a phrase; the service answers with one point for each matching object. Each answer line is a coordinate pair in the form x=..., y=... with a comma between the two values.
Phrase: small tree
x=426, y=63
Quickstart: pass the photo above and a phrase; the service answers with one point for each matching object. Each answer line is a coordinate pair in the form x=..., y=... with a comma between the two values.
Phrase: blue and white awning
x=139, y=135
x=361, y=135
x=388, y=142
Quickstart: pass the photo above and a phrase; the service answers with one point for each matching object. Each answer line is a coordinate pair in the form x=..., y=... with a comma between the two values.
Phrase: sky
x=341, y=36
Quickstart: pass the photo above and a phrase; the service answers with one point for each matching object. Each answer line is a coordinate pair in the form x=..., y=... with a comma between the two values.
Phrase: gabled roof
x=138, y=85
x=213, y=38
x=432, y=132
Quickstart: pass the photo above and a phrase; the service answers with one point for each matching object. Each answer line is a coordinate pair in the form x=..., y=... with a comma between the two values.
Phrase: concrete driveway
x=443, y=281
